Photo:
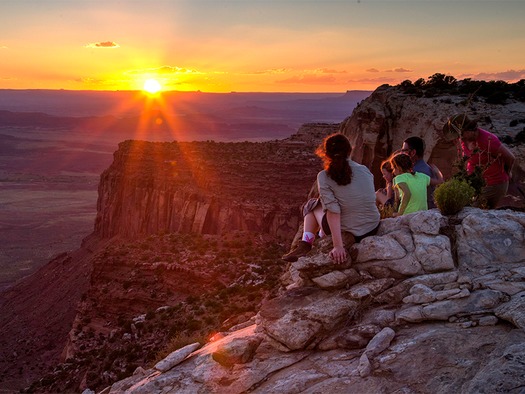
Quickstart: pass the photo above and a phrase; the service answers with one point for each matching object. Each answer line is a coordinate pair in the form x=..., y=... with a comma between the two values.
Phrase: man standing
x=415, y=148
x=485, y=150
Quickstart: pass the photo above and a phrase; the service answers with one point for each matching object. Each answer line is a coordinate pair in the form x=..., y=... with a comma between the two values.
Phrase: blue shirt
x=423, y=167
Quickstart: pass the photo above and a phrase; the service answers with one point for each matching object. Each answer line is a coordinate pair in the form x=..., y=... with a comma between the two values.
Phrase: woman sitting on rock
x=347, y=201
x=410, y=185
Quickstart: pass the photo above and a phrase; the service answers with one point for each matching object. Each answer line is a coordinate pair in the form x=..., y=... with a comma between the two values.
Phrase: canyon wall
x=213, y=188
x=208, y=187
x=379, y=125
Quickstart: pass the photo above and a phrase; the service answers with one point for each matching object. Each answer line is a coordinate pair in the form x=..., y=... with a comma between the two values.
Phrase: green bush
x=453, y=195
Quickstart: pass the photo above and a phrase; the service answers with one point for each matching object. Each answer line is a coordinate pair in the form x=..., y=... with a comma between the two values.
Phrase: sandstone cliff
x=208, y=187
x=380, y=123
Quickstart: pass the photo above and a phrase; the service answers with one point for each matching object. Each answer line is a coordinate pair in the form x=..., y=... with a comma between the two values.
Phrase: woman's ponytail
x=335, y=152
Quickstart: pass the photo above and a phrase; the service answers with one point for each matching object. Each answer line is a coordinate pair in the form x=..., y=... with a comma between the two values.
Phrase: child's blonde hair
x=402, y=162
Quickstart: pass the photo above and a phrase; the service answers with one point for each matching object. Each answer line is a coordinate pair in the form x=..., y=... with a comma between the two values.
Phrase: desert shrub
x=497, y=98
x=507, y=139
x=453, y=195
x=520, y=137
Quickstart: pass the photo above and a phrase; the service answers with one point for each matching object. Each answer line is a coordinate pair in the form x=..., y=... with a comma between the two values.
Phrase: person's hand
x=338, y=254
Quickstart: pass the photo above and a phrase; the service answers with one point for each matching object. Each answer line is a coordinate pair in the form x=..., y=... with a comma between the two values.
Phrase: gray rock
x=433, y=252
x=299, y=319
x=350, y=337
x=401, y=290
x=427, y=222
x=237, y=351
x=488, y=321
x=503, y=374
x=364, y=368
x=380, y=342
x=488, y=236
x=176, y=357
x=379, y=248
x=368, y=289
x=336, y=279
x=407, y=266
x=513, y=311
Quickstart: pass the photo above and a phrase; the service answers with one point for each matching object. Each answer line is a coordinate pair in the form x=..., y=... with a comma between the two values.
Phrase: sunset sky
x=257, y=46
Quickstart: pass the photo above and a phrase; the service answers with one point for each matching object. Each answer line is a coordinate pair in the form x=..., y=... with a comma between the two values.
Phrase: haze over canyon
x=55, y=144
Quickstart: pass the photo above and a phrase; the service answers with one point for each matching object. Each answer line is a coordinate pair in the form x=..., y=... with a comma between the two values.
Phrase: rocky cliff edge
x=432, y=304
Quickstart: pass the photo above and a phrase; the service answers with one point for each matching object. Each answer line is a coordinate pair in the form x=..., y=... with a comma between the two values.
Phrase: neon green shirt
x=417, y=184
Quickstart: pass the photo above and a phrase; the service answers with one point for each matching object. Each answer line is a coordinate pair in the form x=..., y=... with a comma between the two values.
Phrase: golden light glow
x=152, y=86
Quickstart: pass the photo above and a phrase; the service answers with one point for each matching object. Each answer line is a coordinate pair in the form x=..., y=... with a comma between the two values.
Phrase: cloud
x=175, y=70
x=104, y=44
x=375, y=81
x=329, y=71
x=399, y=70
x=87, y=80
x=274, y=71
x=310, y=79
x=271, y=71
x=509, y=76
x=163, y=70
x=372, y=70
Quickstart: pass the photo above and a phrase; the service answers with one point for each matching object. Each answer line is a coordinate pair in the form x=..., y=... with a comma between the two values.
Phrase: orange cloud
x=376, y=81
x=509, y=75
x=310, y=79
x=271, y=71
x=176, y=70
x=330, y=71
x=399, y=70
x=104, y=44
x=165, y=70
x=372, y=70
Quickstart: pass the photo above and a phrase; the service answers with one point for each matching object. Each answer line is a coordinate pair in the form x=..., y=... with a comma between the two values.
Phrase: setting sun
x=152, y=86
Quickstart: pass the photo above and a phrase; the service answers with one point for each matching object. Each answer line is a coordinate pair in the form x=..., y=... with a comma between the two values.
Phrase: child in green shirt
x=410, y=185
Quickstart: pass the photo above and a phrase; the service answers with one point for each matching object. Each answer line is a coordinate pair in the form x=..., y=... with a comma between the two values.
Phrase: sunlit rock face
x=208, y=187
x=441, y=312
x=380, y=123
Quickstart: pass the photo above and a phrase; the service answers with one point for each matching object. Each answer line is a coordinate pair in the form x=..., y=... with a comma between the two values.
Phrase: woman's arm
x=406, y=198
x=437, y=176
x=507, y=158
x=338, y=253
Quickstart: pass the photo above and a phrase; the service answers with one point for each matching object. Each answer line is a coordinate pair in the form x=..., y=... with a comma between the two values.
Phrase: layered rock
x=208, y=187
x=379, y=125
x=430, y=304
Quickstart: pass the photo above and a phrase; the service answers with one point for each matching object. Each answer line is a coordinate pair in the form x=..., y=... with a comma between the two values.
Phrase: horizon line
x=182, y=91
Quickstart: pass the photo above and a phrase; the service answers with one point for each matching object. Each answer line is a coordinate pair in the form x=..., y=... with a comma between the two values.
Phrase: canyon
x=167, y=214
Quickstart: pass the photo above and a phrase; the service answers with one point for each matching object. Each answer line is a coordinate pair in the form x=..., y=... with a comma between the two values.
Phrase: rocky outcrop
x=431, y=304
x=380, y=123
x=208, y=187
